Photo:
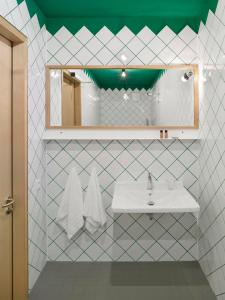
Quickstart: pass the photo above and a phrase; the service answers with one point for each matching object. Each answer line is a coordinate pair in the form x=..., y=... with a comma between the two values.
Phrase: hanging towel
x=93, y=206
x=71, y=209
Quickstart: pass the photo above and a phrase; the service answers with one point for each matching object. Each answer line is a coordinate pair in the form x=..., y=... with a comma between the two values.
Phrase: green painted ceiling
x=94, y=14
x=136, y=78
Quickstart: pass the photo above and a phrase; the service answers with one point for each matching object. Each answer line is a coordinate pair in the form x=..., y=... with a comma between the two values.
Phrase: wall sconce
x=186, y=76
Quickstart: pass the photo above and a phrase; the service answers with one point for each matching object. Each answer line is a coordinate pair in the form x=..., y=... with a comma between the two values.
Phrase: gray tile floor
x=117, y=281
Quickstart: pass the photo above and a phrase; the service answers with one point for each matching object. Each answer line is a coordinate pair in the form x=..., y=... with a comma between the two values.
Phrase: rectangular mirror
x=122, y=97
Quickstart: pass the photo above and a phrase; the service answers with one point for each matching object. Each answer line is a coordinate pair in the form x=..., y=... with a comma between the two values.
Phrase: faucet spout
x=150, y=182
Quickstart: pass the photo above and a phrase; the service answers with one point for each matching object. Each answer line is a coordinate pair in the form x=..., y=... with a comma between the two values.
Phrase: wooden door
x=68, y=103
x=71, y=101
x=5, y=169
x=77, y=100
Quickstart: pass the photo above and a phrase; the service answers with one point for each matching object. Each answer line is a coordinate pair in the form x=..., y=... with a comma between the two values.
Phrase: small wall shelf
x=113, y=134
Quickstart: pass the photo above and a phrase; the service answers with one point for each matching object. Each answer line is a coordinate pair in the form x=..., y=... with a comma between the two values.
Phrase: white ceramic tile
x=187, y=34
x=53, y=45
x=84, y=35
x=104, y=35
x=115, y=45
x=11, y=5
x=127, y=53
x=135, y=45
x=84, y=55
x=166, y=35
x=17, y=18
x=167, y=55
x=24, y=12
x=94, y=45
x=94, y=62
x=104, y=56
x=177, y=45
x=63, y=35
x=145, y=35
x=3, y=7
x=125, y=35
x=156, y=45
x=63, y=55
x=187, y=55
x=73, y=45
x=136, y=62
x=146, y=56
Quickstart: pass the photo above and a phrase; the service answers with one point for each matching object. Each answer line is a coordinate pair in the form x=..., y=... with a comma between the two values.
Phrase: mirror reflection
x=121, y=97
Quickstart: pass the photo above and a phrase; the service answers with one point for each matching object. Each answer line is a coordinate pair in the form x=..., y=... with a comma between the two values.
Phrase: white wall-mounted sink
x=133, y=197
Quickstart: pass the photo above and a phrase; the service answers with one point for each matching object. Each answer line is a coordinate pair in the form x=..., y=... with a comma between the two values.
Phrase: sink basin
x=133, y=197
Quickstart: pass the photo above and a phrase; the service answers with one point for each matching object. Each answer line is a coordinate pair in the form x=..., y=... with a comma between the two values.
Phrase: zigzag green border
x=115, y=24
x=34, y=9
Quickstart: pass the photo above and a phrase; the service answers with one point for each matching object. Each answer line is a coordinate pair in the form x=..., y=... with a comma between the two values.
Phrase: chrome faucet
x=150, y=190
x=150, y=182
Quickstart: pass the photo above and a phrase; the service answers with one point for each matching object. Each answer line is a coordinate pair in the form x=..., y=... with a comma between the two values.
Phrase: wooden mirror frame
x=193, y=67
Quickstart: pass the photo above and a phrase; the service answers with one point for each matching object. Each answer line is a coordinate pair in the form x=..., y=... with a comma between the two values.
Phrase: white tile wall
x=143, y=240
x=105, y=48
x=212, y=154
x=19, y=16
x=127, y=237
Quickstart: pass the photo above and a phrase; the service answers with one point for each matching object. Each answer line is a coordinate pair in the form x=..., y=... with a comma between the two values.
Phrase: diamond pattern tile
x=105, y=48
x=127, y=237
x=212, y=153
x=124, y=113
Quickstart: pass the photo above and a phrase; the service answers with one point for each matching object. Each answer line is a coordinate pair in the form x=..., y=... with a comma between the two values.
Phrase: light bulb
x=123, y=74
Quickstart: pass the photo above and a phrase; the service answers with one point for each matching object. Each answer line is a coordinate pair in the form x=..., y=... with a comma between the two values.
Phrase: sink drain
x=151, y=203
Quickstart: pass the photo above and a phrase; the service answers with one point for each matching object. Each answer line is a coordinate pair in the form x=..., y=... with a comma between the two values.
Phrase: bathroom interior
x=126, y=194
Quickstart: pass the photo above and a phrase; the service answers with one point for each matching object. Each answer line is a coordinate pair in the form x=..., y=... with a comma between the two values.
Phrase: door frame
x=19, y=158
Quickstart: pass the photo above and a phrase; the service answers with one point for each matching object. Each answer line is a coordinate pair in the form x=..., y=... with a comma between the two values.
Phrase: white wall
x=126, y=237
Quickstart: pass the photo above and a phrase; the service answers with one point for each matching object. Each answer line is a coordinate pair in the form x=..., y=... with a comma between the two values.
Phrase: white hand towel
x=71, y=209
x=93, y=206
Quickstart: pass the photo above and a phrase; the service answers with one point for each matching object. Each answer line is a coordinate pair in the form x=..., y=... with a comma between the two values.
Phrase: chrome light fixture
x=186, y=76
